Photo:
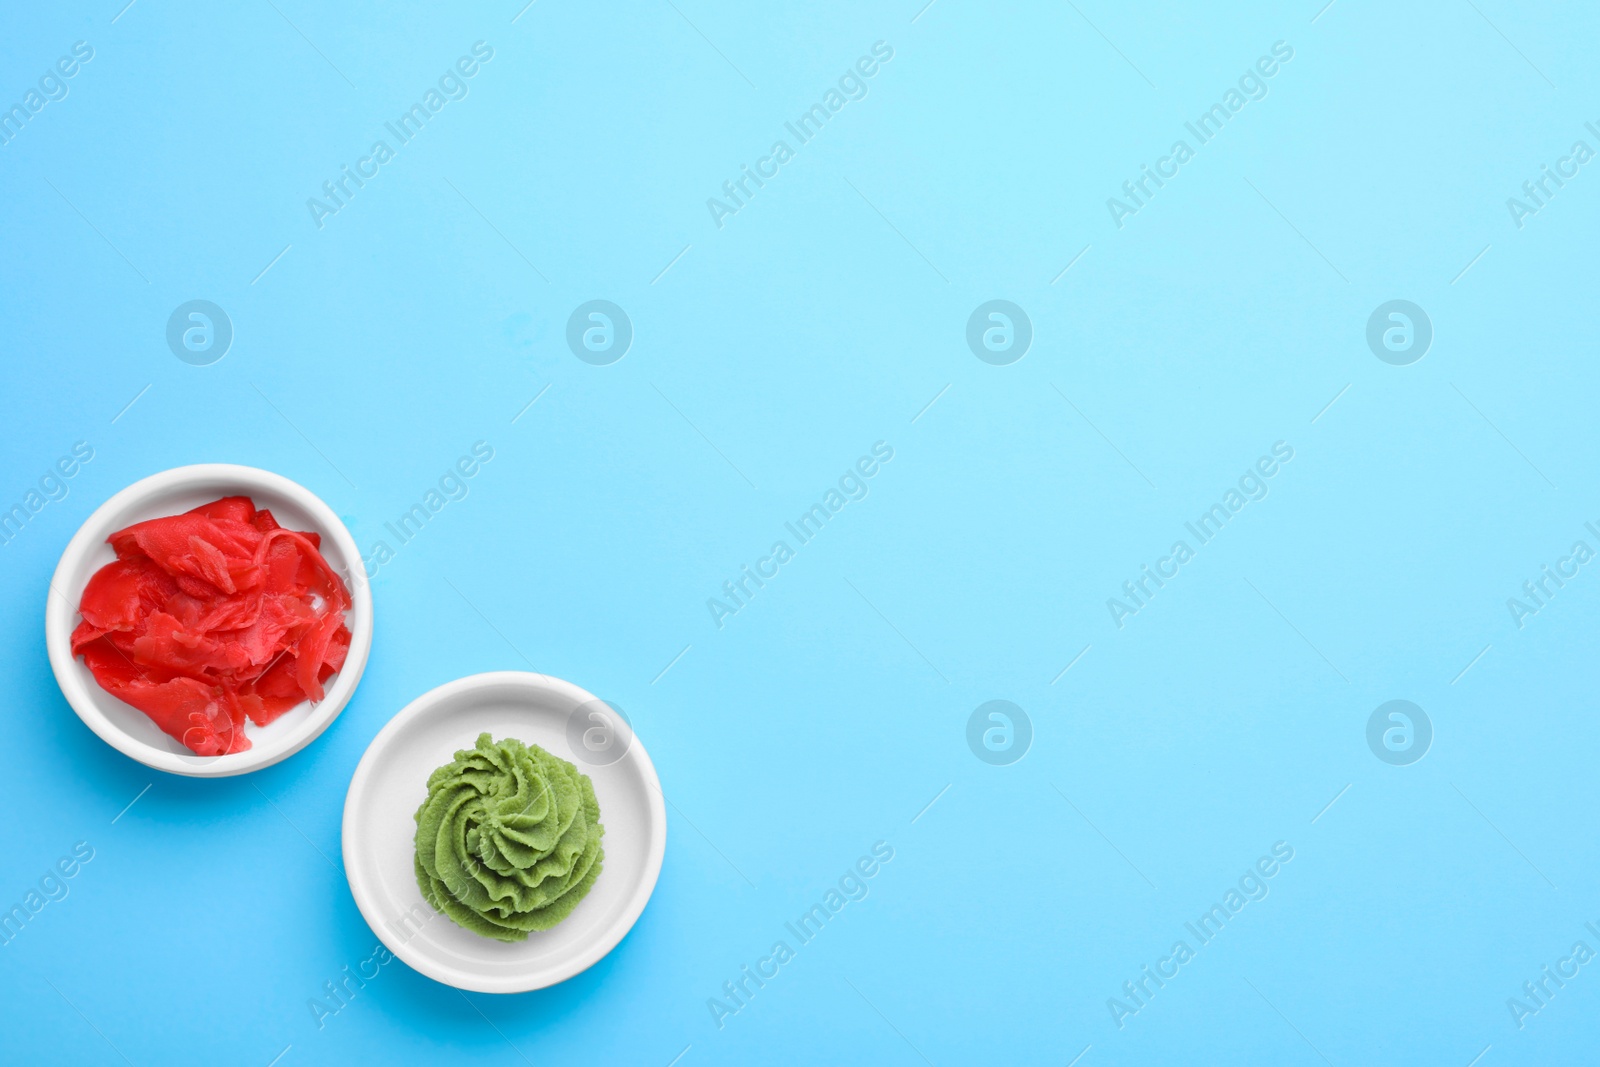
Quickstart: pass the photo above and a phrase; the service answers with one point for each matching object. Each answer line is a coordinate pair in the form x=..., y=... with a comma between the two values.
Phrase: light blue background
x=822, y=318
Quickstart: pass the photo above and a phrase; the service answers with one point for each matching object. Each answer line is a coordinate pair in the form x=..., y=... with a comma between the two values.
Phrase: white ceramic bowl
x=129, y=730
x=391, y=782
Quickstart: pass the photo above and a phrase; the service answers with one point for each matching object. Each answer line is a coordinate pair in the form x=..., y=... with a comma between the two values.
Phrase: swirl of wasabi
x=508, y=840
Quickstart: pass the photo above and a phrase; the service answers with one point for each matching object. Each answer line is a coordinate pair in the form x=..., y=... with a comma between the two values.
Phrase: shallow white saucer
x=129, y=730
x=390, y=784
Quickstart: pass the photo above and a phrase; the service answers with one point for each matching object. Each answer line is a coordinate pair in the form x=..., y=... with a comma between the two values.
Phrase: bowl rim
x=60, y=611
x=459, y=978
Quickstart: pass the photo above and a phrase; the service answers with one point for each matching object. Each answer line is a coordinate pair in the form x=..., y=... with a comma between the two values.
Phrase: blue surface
x=1226, y=314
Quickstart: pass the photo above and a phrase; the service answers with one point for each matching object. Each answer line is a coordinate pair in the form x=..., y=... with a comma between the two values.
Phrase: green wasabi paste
x=508, y=840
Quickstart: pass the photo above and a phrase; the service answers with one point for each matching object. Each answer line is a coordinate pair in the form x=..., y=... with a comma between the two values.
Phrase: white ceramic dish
x=129, y=730
x=390, y=784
